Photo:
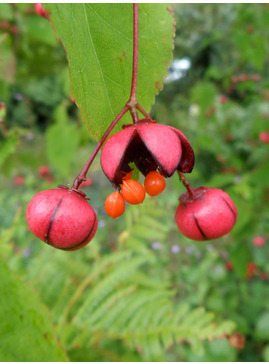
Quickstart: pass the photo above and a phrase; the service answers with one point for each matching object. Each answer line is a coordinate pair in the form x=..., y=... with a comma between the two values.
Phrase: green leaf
x=98, y=43
x=26, y=330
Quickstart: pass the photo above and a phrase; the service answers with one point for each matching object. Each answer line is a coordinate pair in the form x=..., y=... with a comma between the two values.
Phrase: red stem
x=132, y=102
x=186, y=183
x=140, y=108
x=135, y=54
x=82, y=176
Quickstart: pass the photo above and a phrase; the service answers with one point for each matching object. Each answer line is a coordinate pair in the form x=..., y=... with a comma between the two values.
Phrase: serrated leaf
x=98, y=43
x=26, y=330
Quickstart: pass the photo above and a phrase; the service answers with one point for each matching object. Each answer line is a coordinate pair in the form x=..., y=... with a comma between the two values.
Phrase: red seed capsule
x=209, y=214
x=62, y=218
x=150, y=146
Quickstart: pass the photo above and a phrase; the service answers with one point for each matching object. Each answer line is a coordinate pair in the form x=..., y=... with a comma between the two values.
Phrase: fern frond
x=107, y=304
x=140, y=326
x=104, y=287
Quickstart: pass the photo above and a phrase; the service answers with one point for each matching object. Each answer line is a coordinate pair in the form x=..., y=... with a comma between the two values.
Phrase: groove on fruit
x=199, y=227
x=234, y=214
x=51, y=221
x=83, y=241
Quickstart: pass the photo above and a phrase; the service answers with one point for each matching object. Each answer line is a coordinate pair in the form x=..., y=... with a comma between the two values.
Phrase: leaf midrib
x=97, y=60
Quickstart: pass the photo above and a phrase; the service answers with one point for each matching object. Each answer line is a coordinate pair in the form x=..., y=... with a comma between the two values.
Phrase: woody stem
x=186, y=183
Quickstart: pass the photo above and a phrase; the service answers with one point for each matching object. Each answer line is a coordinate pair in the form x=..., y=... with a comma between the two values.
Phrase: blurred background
x=217, y=93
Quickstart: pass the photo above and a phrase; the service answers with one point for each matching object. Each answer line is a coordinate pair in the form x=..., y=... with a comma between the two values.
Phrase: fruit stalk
x=132, y=102
x=82, y=175
x=186, y=183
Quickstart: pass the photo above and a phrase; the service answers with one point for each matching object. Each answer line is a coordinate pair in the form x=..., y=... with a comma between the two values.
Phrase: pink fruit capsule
x=208, y=214
x=150, y=146
x=62, y=218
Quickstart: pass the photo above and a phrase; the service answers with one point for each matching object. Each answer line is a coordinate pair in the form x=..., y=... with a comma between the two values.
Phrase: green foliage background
x=140, y=290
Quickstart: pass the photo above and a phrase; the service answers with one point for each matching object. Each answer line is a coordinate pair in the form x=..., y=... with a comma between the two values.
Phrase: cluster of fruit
x=245, y=77
x=63, y=218
x=43, y=172
x=133, y=192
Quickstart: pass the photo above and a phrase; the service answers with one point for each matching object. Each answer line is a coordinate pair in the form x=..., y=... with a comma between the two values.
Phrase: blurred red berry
x=258, y=241
x=264, y=137
x=251, y=270
x=4, y=24
x=229, y=266
x=223, y=99
x=256, y=77
x=14, y=30
x=243, y=78
x=19, y=180
x=263, y=276
x=50, y=179
x=211, y=111
x=44, y=171
x=235, y=78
